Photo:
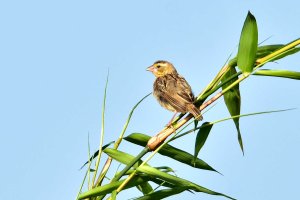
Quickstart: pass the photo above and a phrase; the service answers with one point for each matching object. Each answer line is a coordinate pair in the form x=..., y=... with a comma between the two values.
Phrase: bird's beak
x=150, y=69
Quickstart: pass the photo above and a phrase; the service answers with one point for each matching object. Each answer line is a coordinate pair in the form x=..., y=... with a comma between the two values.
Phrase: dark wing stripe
x=180, y=106
x=185, y=90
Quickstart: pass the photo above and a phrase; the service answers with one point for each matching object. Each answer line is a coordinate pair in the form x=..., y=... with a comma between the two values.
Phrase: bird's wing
x=184, y=90
x=177, y=102
x=176, y=91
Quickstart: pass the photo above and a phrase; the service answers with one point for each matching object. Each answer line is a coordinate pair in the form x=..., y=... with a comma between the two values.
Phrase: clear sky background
x=54, y=58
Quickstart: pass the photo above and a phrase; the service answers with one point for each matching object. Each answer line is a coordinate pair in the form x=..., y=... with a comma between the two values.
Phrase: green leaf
x=108, y=188
x=265, y=50
x=102, y=132
x=118, y=142
x=287, y=53
x=262, y=51
x=248, y=45
x=170, y=151
x=201, y=137
x=232, y=100
x=161, y=182
x=177, y=181
x=126, y=158
x=121, y=156
x=278, y=73
x=195, y=124
x=145, y=188
x=161, y=194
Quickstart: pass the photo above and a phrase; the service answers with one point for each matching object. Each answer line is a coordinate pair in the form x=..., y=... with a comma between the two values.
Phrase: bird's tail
x=195, y=112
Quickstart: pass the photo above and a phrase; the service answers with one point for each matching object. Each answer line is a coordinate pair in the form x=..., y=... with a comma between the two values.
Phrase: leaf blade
x=108, y=188
x=201, y=137
x=232, y=100
x=278, y=73
x=248, y=45
x=160, y=194
x=171, y=152
x=177, y=181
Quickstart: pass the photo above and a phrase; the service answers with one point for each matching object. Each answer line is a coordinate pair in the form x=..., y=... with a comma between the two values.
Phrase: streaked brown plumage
x=171, y=90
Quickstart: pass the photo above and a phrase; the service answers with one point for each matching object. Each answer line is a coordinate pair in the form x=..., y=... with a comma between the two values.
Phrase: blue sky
x=54, y=57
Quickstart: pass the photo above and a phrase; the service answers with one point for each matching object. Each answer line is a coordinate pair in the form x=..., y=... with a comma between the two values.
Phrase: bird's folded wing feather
x=184, y=90
x=177, y=102
x=178, y=93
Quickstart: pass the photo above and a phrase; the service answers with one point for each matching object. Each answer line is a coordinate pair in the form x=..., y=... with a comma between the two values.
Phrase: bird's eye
x=158, y=66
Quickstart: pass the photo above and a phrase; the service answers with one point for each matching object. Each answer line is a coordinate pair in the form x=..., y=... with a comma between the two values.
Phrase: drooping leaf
x=108, y=188
x=177, y=181
x=170, y=151
x=232, y=100
x=248, y=45
x=161, y=194
x=278, y=73
x=195, y=124
x=161, y=182
x=201, y=137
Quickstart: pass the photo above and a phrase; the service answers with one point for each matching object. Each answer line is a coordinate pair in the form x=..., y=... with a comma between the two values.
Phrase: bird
x=172, y=91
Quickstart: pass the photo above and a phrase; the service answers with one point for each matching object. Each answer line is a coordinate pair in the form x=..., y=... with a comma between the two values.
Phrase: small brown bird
x=172, y=91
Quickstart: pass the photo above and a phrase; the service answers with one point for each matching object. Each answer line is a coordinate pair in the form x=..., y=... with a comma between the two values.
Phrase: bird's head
x=161, y=68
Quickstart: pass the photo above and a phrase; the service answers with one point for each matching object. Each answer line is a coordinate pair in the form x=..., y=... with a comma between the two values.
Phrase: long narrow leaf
x=170, y=151
x=262, y=51
x=248, y=45
x=122, y=133
x=201, y=137
x=106, y=189
x=87, y=174
x=162, y=193
x=118, y=142
x=293, y=51
x=126, y=158
x=102, y=130
x=232, y=100
x=177, y=181
x=161, y=182
x=265, y=50
x=278, y=73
